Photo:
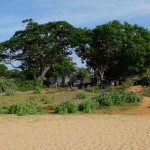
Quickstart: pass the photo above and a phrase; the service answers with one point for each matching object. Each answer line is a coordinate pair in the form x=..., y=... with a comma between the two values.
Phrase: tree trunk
x=43, y=73
x=63, y=79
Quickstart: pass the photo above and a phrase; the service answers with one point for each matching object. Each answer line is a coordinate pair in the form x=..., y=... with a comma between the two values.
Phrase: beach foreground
x=72, y=132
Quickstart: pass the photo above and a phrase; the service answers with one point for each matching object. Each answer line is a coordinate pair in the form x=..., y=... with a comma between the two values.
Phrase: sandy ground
x=75, y=132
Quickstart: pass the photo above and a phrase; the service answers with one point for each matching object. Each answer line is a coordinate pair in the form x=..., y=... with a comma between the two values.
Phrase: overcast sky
x=80, y=13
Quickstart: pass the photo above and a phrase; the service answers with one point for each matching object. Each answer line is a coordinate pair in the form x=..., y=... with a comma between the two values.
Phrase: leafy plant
x=145, y=92
x=37, y=90
x=29, y=85
x=88, y=105
x=74, y=88
x=66, y=107
x=120, y=98
x=8, y=86
x=46, y=99
x=81, y=95
x=30, y=107
x=92, y=89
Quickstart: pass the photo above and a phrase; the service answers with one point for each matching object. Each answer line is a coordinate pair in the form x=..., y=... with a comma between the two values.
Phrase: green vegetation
x=88, y=106
x=66, y=107
x=47, y=100
x=81, y=95
x=8, y=86
x=117, y=98
x=145, y=92
x=112, y=50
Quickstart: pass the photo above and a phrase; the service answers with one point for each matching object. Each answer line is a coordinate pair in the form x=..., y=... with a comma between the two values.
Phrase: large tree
x=115, y=49
x=38, y=46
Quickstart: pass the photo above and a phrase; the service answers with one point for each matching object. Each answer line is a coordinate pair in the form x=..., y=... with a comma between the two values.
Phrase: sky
x=79, y=13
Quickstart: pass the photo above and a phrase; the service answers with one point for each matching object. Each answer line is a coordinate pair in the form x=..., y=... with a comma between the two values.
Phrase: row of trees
x=114, y=49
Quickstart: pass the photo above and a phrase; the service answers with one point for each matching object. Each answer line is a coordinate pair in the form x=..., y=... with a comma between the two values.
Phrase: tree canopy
x=113, y=49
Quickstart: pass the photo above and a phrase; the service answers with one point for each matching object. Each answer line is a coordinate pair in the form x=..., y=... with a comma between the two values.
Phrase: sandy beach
x=75, y=132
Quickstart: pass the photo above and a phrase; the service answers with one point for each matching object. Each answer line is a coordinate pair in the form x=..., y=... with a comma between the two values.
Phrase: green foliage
x=82, y=95
x=74, y=88
x=145, y=92
x=3, y=108
x=47, y=100
x=37, y=90
x=82, y=73
x=4, y=72
x=30, y=107
x=8, y=86
x=126, y=85
x=29, y=85
x=92, y=89
x=66, y=107
x=120, y=98
x=88, y=106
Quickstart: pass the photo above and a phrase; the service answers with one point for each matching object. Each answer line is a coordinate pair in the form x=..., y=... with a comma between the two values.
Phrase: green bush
x=29, y=85
x=66, y=107
x=8, y=86
x=132, y=97
x=37, y=90
x=30, y=107
x=88, y=105
x=119, y=98
x=126, y=85
x=74, y=88
x=3, y=108
x=81, y=95
x=145, y=92
x=46, y=99
x=92, y=89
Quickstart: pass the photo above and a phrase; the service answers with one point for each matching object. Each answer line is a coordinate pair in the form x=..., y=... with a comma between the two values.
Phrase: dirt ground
x=128, y=130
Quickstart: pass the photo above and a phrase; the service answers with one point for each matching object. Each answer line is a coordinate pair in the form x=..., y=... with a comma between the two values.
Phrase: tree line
x=113, y=49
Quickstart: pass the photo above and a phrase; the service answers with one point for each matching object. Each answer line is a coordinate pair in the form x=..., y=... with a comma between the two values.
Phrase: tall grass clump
x=88, y=106
x=8, y=86
x=66, y=107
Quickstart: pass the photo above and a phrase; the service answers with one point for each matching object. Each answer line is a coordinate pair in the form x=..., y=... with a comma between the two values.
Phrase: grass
x=48, y=99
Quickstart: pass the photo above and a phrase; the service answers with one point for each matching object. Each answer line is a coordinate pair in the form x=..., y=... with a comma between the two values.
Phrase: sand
x=75, y=132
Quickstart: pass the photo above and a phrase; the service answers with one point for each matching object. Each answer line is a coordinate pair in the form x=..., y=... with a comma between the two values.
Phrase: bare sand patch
x=75, y=132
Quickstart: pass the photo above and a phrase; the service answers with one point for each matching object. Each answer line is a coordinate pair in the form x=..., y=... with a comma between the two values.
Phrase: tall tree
x=38, y=46
x=115, y=48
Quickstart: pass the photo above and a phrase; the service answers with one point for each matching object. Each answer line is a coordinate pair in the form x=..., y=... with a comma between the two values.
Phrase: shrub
x=81, y=95
x=145, y=92
x=66, y=107
x=73, y=88
x=92, y=89
x=37, y=90
x=8, y=86
x=88, y=105
x=117, y=98
x=30, y=107
x=46, y=100
x=126, y=85
x=3, y=108
x=132, y=97
x=29, y=85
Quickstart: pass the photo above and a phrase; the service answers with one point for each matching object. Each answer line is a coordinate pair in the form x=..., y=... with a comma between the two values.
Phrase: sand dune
x=75, y=132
